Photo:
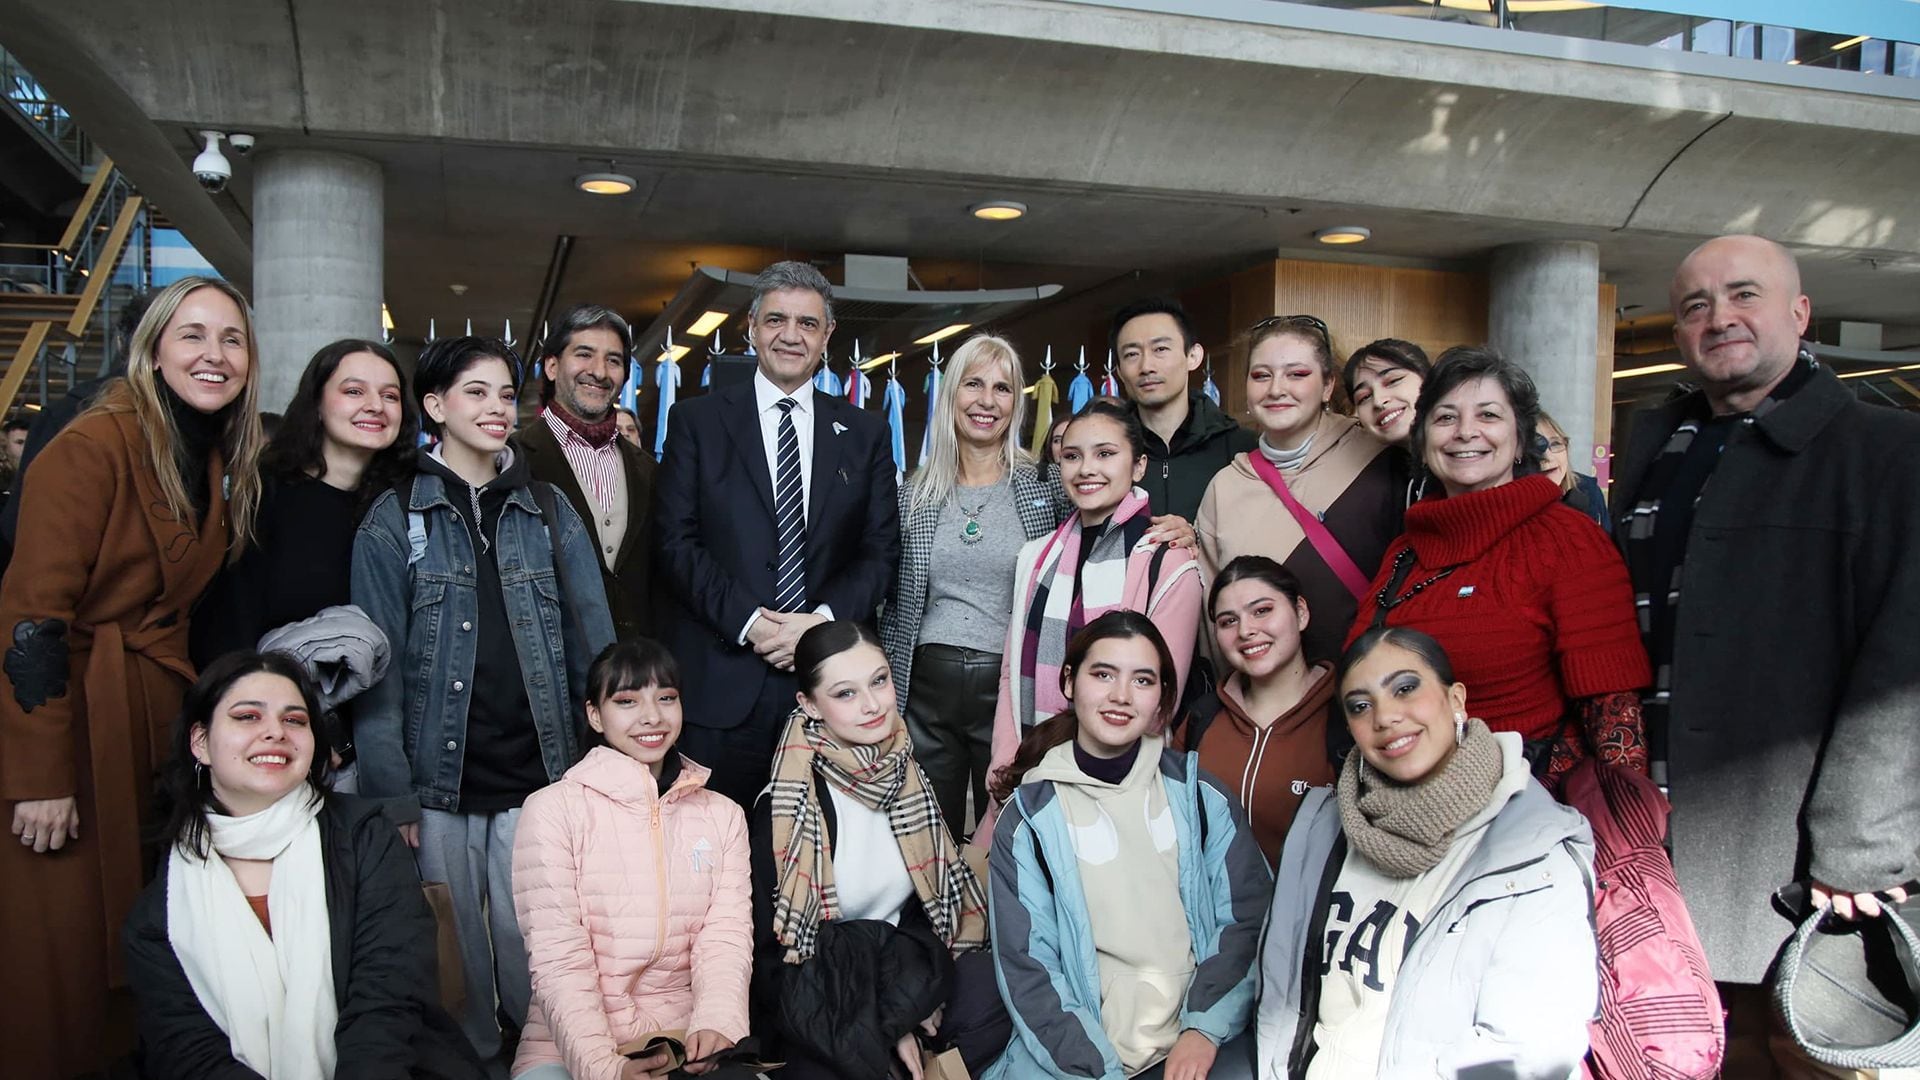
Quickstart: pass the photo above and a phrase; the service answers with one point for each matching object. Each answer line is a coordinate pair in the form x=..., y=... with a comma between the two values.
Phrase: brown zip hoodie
x=1270, y=768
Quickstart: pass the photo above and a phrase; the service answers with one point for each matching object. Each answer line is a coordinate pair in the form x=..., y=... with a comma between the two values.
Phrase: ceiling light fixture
x=998, y=210
x=883, y=358
x=1344, y=234
x=708, y=323
x=386, y=319
x=1847, y=44
x=676, y=352
x=605, y=183
x=1651, y=369
x=941, y=334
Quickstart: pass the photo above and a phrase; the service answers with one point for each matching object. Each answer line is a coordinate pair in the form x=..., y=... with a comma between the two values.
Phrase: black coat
x=385, y=969
x=717, y=541
x=1178, y=473
x=1794, y=739
x=630, y=595
x=868, y=982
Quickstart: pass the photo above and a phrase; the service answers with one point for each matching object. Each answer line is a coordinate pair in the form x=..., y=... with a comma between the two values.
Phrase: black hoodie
x=502, y=763
x=1178, y=475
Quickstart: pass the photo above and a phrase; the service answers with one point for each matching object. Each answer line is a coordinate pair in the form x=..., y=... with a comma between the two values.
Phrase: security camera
x=241, y=142
x=211, y=168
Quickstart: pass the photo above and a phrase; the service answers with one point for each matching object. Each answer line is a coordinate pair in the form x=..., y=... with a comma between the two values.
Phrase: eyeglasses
x=1311, y=322
x=1556, y=446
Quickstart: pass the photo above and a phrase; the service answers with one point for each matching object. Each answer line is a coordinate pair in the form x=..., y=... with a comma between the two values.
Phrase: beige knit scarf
x=1405, y=829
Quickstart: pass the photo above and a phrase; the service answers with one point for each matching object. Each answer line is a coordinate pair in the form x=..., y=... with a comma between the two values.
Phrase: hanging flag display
x=933, y=394
x=668, y=379
x=1045, y=393
x=859, y=388
x=1211, y=391
x=1081, y=390
x=1108, y=386
x=826, y=381
x=630, y=390
x=895, y=401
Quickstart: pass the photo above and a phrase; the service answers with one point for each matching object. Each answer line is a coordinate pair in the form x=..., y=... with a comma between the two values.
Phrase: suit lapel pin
x=839, y=428
x=1465, y=591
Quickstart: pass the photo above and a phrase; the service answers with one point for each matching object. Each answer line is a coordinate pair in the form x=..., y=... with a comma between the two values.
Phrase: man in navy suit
x=775, y=512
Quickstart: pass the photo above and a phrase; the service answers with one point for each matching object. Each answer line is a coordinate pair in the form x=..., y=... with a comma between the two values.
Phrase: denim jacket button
x=458, y=685
x=466, y=569
x=451, y=745
x=466, y=626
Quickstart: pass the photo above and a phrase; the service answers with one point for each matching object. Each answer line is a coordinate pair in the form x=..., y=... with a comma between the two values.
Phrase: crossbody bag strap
x=1331, y=552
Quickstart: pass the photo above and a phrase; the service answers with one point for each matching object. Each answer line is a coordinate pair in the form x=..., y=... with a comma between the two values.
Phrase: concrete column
x=318, y=226
x=1543, y=313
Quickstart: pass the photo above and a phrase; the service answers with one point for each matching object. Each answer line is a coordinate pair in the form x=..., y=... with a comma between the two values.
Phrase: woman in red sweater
x=1528, y=598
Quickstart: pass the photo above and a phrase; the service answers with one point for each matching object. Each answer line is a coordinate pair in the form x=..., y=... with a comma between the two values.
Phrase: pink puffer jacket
x=636, y=909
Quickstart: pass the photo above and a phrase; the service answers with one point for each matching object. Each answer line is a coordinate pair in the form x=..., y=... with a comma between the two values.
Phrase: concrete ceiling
x=1143, y=141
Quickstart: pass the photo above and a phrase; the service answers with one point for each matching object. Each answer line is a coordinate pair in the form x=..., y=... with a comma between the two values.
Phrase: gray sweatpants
x=473, y=854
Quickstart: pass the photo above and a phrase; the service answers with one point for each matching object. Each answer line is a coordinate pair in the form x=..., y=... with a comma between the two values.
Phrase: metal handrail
x=24, y=92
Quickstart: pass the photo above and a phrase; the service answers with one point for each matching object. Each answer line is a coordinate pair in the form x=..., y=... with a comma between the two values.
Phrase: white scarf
x=272, y=996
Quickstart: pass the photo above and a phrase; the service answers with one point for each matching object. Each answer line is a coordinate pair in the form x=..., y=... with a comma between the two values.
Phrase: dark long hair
x=624, y=666
x=185, y=795
x=297, y=449
x=1253, y=568
x=1120, y=413
x=823, y=643
x=1392, y=352
x=1051, y=732
x=1417, y=642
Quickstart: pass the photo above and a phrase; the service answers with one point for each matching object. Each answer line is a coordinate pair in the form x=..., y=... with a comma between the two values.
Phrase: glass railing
x=25, y=94
x=1871, y=37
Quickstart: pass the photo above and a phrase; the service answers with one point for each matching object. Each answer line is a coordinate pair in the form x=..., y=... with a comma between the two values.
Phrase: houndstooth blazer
x=1042, y=505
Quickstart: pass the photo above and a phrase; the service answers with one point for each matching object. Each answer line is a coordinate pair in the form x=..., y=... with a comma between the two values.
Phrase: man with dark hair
x=16, y=429
x=1769, y=520
x=1188, y=437
x=776, y=511
x=575, y=446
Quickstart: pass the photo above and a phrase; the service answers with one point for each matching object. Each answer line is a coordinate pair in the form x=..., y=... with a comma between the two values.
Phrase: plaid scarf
x=1066, y=595
x=883, y=777
x=1657, y=531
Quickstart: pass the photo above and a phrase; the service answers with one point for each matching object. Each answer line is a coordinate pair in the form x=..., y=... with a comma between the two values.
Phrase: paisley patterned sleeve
x=1614, y=731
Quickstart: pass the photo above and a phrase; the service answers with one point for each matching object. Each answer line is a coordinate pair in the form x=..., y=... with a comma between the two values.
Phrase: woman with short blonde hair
x=127, y=515
x=964, y=516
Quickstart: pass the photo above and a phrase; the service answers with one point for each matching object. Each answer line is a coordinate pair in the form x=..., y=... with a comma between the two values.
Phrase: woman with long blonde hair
x=964, y=516
x=128, y=514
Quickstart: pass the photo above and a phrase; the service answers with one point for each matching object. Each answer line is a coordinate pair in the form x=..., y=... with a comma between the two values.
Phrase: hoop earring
x=200, y=773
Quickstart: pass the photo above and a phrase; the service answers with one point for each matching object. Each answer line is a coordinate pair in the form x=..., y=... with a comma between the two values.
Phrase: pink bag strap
x=1331, y=552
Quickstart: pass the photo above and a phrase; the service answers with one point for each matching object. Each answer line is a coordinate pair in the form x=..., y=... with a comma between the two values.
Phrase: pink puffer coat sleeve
x=546, y=898
x=723, y=946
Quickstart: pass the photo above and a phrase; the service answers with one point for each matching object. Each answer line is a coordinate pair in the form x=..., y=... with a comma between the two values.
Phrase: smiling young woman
x=347, y=435
x=1435, y=823
x=632, y=886
x=286, y=934
x=1108, y=845
x=127, y=515
x=487, y=585
x=1099, y=560
x=857, y=882
x=1530, y=600
x=1317, y=495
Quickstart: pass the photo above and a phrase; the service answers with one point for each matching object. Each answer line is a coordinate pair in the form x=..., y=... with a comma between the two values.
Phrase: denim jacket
x=413, y=574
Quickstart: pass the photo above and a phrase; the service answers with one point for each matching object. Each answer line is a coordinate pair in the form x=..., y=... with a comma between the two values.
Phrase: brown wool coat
x=88, y=713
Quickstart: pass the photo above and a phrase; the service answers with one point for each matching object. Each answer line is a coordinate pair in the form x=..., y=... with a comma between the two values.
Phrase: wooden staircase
x=33, y=322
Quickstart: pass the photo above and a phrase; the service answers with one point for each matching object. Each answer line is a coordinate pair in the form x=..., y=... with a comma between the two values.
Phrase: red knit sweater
x=1537, y=613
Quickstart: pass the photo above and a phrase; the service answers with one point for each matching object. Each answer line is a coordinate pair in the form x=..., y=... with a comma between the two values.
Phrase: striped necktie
x=790, y=518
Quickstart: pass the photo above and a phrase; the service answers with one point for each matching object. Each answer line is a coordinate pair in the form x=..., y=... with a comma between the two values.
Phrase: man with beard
x=576, y=447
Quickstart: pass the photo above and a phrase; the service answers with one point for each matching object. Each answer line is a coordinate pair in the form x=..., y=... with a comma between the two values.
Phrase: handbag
x=1849, y=991
x=1331, y=552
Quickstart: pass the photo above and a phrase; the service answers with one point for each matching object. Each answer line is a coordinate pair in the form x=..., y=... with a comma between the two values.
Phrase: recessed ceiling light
x=941, y=334
x=1842, y=46
x=1343, y=234
x=883, y=358
x=604, y=183
x=998, y=210
x=676, y=352
x=707, y=323
x=1650, y=369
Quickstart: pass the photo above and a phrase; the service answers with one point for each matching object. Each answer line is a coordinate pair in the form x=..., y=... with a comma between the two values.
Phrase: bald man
x=1771, y=522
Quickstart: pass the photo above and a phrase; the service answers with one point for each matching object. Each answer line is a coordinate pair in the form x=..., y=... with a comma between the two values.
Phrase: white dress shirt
x=766, y=400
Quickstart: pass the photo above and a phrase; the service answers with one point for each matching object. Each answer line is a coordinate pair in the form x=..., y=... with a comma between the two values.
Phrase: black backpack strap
x=1200, y=717
x=1153, y=571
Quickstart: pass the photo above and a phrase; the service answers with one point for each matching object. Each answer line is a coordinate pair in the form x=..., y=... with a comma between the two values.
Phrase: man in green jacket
x=1188, y=437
